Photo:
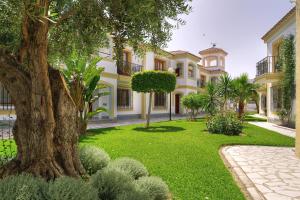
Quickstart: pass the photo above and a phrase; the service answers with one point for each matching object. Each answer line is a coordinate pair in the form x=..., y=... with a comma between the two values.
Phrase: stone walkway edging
x=245, y=184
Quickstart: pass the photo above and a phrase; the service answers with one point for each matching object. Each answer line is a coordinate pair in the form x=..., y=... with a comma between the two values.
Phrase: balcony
x=129, y=69
x=268, y=65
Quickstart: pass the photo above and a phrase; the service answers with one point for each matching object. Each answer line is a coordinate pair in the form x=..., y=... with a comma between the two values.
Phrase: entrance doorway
x=177, y=103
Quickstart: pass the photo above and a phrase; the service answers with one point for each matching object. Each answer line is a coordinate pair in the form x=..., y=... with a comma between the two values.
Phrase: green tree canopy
x=153, y=81
x=194, y=103
x=36, y=33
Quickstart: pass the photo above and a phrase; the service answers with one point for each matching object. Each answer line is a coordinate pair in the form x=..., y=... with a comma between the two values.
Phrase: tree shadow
x=160, y=129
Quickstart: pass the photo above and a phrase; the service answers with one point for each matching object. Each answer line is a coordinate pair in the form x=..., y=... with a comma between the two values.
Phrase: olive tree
x=153, y=82
x=35, y=33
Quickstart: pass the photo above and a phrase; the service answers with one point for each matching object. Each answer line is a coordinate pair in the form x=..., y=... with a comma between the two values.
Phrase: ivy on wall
x=288, y=61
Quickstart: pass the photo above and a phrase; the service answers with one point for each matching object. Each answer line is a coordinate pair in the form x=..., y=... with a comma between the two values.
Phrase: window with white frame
x=124, y=98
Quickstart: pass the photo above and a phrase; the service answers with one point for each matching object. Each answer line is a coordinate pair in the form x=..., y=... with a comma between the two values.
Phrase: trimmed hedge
x=133, y=168
x=153, y=81
x=93, y=159
x=113, y=184
x=23, y=187
x=155, y=187
x=71, y=189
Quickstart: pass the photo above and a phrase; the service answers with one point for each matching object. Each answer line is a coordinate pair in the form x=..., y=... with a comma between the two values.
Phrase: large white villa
x=192, y=71
x=269, y=73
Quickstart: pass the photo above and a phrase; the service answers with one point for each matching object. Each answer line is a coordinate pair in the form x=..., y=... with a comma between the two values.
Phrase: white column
x=298, y=79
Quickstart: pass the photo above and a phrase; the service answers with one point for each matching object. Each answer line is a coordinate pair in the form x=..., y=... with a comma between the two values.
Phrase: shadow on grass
x=159, y=129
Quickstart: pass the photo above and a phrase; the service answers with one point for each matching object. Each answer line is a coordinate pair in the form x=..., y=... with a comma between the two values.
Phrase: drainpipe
x=298, y=78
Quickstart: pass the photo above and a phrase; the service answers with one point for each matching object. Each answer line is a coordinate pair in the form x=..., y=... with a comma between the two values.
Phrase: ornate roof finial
x=214, y=45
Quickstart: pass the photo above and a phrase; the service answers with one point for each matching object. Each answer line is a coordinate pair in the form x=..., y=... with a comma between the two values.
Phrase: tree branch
x=65, y=16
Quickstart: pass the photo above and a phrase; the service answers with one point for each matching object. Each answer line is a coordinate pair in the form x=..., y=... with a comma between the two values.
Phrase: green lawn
x=184, y=154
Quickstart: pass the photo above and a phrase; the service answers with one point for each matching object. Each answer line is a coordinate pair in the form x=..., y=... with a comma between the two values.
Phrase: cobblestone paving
x=271, y=173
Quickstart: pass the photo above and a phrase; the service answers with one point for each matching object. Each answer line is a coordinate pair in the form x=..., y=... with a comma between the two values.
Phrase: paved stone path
x=267, y=173
x=273, y=127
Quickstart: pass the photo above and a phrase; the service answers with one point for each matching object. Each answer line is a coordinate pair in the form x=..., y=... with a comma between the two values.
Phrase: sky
x=234, y=25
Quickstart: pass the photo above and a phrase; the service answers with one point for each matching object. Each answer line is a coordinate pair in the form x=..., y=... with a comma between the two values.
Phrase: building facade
x=269, y=71
x=123, y=103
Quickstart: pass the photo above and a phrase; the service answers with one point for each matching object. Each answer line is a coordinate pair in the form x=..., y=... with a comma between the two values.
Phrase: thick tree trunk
x=46, y=129
x=51, y=155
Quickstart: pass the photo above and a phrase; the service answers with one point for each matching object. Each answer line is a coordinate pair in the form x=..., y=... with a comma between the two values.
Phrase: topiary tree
x=194, y=103
x=151, y=82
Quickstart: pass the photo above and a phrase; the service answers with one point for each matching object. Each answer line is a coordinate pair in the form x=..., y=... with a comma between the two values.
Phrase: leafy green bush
x=93, y=159
x=113, y=184
x=132, y=167
x=23, y=187
x=194, y=103
x=71, y=189
x=155, y=187
x=226, y=123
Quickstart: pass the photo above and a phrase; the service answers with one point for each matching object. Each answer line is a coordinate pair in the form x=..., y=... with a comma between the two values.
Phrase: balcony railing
x=267, y=65
x=129, y=69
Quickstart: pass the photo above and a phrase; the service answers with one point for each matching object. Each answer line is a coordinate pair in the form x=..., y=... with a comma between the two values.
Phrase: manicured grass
x=184, y=154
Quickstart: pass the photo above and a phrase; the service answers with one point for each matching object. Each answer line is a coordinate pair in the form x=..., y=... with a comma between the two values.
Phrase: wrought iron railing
x=129, y=69
x=270, y=64
x=7, y=119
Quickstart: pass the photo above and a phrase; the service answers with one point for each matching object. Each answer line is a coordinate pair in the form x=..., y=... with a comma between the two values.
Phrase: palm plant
x=225, y=90
x=212, y=99
x=243, y=90
x=82, y=76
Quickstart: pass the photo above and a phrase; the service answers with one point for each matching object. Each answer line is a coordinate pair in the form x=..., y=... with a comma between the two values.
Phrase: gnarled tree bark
x=41, y=150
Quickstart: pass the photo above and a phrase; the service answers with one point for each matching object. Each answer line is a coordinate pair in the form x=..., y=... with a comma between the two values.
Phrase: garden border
x=244, y=183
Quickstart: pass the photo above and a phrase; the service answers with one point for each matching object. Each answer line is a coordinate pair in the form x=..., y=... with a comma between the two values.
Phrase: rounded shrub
x=23, y=187
x=113, y=184
x=71, y=189
x=133, y=168
x=93, y=159
x=155, y=187
x=227, y=124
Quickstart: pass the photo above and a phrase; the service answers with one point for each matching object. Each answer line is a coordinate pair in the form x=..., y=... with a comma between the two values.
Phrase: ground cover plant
x=121, y=179
x=184, y=154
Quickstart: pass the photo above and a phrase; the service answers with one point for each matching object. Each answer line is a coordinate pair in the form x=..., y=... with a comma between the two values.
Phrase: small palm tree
x=82, y=76
x=225, y=88
x=243, y=90
x=212, y=99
